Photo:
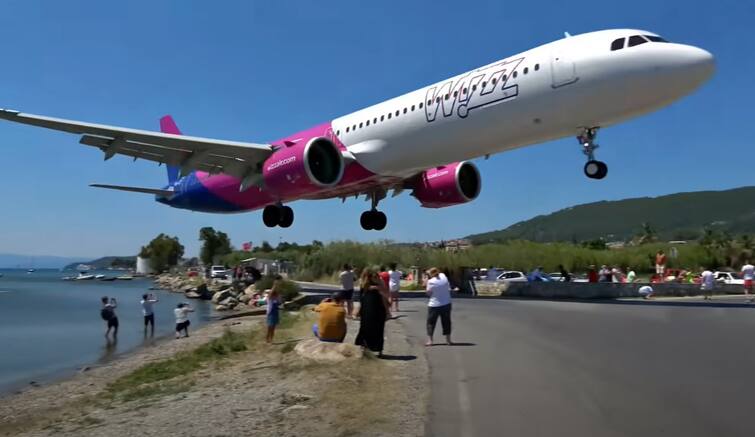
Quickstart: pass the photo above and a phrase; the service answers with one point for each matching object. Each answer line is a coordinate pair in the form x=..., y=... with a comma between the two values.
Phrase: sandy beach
x=261, y=390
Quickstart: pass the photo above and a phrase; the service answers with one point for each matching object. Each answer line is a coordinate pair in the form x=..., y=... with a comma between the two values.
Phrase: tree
x=647, y=235
x=266, y=247
x=216, y=244
x=163, y=252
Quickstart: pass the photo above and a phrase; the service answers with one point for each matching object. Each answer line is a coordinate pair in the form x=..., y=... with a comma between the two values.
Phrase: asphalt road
x=553, y=368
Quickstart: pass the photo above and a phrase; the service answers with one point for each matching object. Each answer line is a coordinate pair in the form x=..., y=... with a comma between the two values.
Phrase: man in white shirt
x=149, y=315
x=707, y=283
x=182, y=319
x=347, y=278
x=394, y=285
x=748, y=272
x=439, y=305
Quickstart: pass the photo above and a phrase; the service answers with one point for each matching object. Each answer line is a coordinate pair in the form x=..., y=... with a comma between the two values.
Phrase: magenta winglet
x=168, y=126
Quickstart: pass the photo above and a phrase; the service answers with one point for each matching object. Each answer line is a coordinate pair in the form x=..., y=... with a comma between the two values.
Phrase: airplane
x=421, y=141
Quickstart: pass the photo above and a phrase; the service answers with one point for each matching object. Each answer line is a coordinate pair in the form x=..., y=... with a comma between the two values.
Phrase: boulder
x=250, y=290
x=245, y=298
x=220, y=296
x=221, y=308
x=317, y=350
x=192, y=294
x=230, y=302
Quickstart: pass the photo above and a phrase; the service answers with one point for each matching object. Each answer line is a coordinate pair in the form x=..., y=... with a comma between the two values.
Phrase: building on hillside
x=457, y=245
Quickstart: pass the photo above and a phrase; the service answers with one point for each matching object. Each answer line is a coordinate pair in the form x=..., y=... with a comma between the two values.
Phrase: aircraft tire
x=286, y=217
x=379, y=221
x=271, y=216
x=366, y=220
x=595, y=169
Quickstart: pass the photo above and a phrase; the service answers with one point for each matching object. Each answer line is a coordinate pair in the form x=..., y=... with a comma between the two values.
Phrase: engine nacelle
x=303, y=168
x=448, y=185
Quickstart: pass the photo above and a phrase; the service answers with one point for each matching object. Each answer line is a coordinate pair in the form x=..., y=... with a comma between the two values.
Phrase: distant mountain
x=14, y=261
x=106, y=262
x=680, y=216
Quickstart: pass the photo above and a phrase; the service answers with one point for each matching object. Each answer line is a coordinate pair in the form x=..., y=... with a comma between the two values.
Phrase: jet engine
x=303, y=168
x=447, y=185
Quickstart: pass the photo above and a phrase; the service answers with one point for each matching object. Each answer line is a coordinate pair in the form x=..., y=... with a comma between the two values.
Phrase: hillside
x=17, y=261
x=106, y=262
x=676, y=216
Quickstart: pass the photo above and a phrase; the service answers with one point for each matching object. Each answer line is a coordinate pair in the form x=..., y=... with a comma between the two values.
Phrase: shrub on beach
x=289, y=289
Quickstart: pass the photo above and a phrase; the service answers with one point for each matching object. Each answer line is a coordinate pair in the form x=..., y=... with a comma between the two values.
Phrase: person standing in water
x=182, y=319
x=108, y=314
x=149, y=315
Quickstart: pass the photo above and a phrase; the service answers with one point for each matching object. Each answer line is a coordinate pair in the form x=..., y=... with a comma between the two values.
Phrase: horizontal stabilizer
x=155, y=191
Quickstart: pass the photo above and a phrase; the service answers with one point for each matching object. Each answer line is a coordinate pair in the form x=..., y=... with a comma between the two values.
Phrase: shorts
x=183, y=325
x=347, y=294
x=748, y=284
x=394, y=295
x=149, y=319
x=659, y=269
x=273, y=319
x=112, y=322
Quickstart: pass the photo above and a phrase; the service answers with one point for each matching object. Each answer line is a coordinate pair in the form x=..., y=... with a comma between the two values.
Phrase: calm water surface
x=50, y=327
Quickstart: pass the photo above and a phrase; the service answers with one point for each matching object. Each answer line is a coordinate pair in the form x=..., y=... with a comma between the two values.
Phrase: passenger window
x=382, y=117
x=636, y=40
x=456, y=93
x=354, y=127
x=464, y=91
x=617, y=44
x=526, y=70
x=420, y=105
x=397, y=113
x=514, y=75
x=504, y=78
x=437, y=100
x=389, y=116
x=374, y=121
x=347, y=128
x=404, y=110
x=446, y=96
x=537, y=67
x=429, y=102
x=368, y=123
x=484, y=84
x=360, y=125
x=474, y=87
x=338, y=132
x=412, y=107
x=494, y=81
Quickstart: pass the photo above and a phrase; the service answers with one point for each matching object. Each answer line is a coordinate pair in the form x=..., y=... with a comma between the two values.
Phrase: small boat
x=31, y=271
x=108, y=278
x=68, y=278
x=83, y=277
x=99, y=277
x=124, y=278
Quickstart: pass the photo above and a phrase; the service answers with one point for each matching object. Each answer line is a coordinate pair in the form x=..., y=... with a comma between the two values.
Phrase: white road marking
x=465, y=404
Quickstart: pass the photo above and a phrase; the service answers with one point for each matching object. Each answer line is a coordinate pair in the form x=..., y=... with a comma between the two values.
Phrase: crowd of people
x=378, y=300
x=109, y=304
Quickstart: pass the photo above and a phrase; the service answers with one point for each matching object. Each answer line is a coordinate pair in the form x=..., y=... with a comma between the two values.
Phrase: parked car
x=218, y=272
x=512, y=276
x=732, y=278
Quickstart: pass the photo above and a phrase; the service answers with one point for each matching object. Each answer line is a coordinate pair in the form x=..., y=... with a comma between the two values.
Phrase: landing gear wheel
x=366, y=220
x=373, y=220
x=596, y=169
x=286, y=217
x=271, y=215
x=379, y=221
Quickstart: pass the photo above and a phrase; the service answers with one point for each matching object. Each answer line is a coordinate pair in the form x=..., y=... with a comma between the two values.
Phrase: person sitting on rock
x=331, y=324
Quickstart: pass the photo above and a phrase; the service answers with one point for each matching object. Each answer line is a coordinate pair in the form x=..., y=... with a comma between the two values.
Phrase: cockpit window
x=636, y=40
x=654, y=38
x=617, y=44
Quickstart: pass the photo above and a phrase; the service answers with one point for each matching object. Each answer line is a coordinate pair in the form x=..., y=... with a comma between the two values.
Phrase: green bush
x=289, y=290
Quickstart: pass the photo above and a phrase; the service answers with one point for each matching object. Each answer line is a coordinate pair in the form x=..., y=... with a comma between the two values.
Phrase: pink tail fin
x=168, y=126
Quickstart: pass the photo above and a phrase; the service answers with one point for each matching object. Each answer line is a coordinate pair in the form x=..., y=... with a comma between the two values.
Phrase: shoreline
x=262, y=390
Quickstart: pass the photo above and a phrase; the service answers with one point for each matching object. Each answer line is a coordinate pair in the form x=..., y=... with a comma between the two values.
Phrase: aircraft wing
x=155, y=191
x=239, y=159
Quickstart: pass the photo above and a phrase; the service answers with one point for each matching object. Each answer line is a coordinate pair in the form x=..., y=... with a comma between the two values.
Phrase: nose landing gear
x=593, y=169
x=278, y=215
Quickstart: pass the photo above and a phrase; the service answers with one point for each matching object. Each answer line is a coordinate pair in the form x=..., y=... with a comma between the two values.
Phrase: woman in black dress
x=373, y=310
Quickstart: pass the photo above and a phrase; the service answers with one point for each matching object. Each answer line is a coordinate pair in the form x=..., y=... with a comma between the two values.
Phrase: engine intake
x=303, y=168
x=448, y=185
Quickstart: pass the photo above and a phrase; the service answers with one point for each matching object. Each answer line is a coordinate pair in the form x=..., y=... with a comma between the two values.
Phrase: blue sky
x=257, y=71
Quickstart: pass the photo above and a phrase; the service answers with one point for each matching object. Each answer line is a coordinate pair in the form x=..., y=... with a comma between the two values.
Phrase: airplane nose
x=698, y=64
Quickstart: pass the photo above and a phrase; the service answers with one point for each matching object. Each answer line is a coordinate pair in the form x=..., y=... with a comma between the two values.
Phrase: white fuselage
x=549, y=92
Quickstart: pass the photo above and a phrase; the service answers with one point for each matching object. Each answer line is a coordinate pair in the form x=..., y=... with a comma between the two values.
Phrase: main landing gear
x=374, y=219
x=278, y=215
x=593, y=169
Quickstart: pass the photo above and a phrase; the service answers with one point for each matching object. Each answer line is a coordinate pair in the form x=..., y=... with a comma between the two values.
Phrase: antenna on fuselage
x=567, y=35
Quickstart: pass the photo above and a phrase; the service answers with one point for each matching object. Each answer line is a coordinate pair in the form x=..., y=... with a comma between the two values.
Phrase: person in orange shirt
x=331, y=325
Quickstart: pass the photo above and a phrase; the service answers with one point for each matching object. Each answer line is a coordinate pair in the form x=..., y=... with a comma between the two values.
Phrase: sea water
x=50, y=327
